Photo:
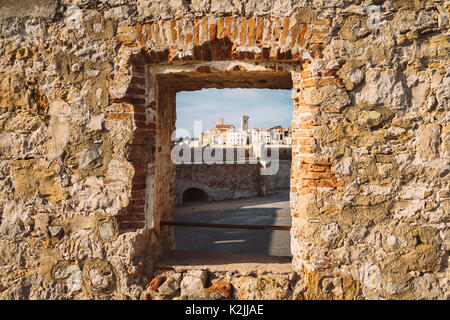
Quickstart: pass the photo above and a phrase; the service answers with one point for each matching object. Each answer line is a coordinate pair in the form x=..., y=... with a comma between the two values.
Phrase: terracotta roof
x=219, y=126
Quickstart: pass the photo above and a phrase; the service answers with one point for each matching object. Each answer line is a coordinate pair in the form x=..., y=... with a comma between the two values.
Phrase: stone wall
x=220, y=181
x=87, y=108
x=282, y=179
x=230, y=181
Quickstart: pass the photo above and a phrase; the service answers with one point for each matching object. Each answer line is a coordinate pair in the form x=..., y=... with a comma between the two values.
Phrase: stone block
x=193, y=284
x=28, y=8
x=428, y=140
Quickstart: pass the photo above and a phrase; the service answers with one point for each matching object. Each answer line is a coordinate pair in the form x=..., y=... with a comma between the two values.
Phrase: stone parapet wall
x=230, y=181
x=203, y=284
x=282, y=179
x=87, y=112
x=220, y=181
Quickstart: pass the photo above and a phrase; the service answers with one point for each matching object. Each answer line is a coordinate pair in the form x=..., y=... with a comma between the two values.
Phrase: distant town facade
x=226, y=135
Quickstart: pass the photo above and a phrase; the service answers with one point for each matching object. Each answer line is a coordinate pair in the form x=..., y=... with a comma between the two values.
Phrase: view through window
x=224, y=139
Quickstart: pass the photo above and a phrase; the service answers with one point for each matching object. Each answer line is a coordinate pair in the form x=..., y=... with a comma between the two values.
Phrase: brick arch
x=195, y=188
x=190, y=185
x=133, y=106
x=220, y=38
x=277, y=44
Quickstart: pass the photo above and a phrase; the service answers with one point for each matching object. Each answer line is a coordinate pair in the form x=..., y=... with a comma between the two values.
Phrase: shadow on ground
x=267, y=211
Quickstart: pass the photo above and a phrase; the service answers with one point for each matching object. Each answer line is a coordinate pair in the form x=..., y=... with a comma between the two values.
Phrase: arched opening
x=194, y=195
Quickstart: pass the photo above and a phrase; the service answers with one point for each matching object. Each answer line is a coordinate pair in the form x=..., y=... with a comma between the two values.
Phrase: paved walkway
x=271, y=210
x=181, y=261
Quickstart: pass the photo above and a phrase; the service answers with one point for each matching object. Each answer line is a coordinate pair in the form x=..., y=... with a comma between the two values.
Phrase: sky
x=266, y=108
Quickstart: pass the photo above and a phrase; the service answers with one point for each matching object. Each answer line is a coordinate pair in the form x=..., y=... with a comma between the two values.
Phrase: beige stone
x=428, y=140
x=87, y=111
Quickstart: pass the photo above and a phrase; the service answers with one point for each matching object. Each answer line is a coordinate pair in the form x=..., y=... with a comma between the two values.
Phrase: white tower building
x=244, y=123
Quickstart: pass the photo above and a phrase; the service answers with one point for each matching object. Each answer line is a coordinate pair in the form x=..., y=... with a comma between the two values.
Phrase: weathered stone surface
x=193, y=285
x=385, y=87
x=344, y=166
x=272, y=287
x=99, y=277
x=31, y=178
x=219, y=289
x=169, y=287
x=354, y=27
x=330, y=233
x=155, y=283
x=85, y=140
x=428, y=140
x=58, y=129
x=25, y=8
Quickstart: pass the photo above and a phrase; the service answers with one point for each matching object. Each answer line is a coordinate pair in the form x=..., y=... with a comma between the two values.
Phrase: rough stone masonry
x=87, y=109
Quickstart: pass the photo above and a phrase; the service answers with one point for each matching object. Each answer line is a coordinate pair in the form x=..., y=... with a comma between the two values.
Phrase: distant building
x=226, y=135
x=194, y=143
x=244, y=123
x=238, y=138
x=217, y=135
x=261, y=136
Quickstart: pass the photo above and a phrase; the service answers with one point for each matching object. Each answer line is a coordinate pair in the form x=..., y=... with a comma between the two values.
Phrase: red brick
x=306, y=64
x=206, y=52
x=188, y=38
x=285, y=32
x=124, y=37
x=109, y=181
x=212, y=32
x=301, y=134
x=308, y=84
x=277, y=29
x=173, y=30
x=145, y=125
x=323, y=82
x=220, y=28
x=235, y=30
x=307, y=124
x=306, y=74
x=313, y=160
x=328, y=73
x=259, y=30
x=155, y=283
x=140, y=117
x=196, y=32
x=243, y=33
x=123, y=108
x=118, y=116
x=305, y=141
x=309, y=183
x=326, y=184
x=308, y=150
x=138, y=179
x=294, y=33
x=137, y=194
x=138, y=187
x=132, y=225
x=317, y=175
x=301, y=37
x=222, y=287
x=134, y=213
x=140, y=35
x=204, y=27
x=227, y=31
x=251, y=32
x=321, y=22
x=315, y=167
